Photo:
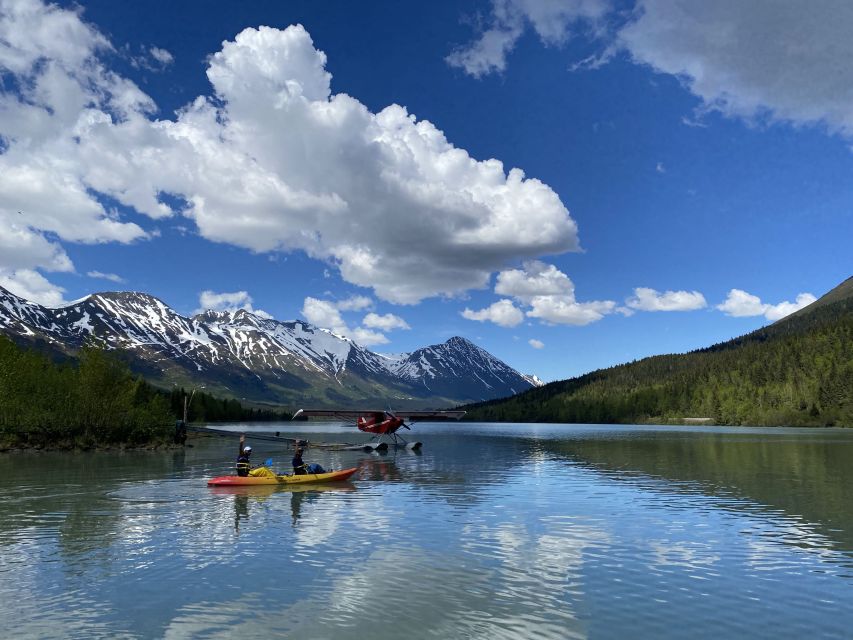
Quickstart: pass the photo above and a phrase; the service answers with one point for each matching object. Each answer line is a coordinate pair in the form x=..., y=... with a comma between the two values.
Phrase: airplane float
x=381, y=424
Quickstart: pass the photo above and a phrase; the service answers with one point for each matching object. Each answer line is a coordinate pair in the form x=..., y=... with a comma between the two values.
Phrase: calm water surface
x=493, y=531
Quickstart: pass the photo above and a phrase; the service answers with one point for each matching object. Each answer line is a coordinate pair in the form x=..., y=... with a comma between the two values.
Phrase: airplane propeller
x=403, y=423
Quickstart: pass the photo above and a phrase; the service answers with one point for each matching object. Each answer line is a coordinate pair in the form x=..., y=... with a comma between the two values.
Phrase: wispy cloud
x=509, y=19
x=105, y=276
x=161, y=55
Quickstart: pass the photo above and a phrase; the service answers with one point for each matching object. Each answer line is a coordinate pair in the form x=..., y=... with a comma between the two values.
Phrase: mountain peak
x=216, y=317
x=459, y=341
x=126, y=297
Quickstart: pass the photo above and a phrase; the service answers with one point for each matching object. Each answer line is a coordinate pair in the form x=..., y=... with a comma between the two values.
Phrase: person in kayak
x=244, y=464
x=300, y=468
x=298, y=465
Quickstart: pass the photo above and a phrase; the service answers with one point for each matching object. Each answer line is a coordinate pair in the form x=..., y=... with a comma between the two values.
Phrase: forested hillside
x=798, y=371
x=95, y=401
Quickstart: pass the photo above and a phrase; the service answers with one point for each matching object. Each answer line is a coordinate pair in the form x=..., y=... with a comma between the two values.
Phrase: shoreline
x=70, y=448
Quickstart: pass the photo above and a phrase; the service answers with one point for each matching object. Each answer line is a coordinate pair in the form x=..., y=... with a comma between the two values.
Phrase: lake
x=491, y=531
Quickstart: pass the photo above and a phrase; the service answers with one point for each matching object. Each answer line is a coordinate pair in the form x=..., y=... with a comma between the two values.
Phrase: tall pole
x=188, y=401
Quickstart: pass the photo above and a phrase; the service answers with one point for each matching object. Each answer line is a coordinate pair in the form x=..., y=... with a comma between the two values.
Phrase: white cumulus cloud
x=740, y=304
x=550, y=294
x=368, y=338
x=32, y=286
x=272, y=161
x=535, y=279
x=503, y=313
x=536, y=344
x=231, y=301
x=354, y=303
x=565, y=310
x=387, y=322
x=327, y=315
x=645, y=299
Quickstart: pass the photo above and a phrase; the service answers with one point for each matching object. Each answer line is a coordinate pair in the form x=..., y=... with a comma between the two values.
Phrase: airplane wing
x=340, y=414
x=429, y=415
x=354, y=414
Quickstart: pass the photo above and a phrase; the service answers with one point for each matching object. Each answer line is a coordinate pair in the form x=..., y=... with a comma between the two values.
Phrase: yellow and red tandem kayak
x=250, y=481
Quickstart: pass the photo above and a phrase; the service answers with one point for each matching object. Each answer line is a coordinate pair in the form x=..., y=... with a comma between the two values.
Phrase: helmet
x=247, y=449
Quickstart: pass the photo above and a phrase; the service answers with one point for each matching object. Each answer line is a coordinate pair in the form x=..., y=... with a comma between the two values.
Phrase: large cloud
x=386, y=197
x=52, y=84
x=272, y=161
x=785, y=60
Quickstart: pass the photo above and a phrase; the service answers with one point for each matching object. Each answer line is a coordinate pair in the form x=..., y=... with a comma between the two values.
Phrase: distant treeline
x=207, y=408
x=798, y=371
x=95, y=400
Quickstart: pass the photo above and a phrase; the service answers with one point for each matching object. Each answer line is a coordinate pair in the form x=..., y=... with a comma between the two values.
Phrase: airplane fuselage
x=379, y=423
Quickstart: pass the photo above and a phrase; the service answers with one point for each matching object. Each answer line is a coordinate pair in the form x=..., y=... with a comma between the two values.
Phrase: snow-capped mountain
x=459, y=366
x=256, y=358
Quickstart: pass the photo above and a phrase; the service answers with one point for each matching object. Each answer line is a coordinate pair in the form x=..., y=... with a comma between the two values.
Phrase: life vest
x=243, y=465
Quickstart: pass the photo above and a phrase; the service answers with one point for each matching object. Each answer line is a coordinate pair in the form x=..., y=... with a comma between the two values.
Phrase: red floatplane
x=381, y=423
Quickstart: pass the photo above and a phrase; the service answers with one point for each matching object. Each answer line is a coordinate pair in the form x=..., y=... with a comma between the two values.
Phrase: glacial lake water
x=491, y=531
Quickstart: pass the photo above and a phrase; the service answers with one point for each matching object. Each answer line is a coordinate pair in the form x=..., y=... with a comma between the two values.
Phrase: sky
x=570, y=184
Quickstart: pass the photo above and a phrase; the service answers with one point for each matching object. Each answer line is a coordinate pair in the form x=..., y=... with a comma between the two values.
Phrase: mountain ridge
x=258, y=358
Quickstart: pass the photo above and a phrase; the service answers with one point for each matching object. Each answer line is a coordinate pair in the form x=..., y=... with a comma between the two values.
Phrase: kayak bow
x=244, y=481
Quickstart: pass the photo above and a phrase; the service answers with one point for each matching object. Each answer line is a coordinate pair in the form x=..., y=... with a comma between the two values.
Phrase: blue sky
x=686, y=166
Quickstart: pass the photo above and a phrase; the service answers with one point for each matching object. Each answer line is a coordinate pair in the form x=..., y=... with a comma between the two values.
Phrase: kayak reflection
x=299, y=496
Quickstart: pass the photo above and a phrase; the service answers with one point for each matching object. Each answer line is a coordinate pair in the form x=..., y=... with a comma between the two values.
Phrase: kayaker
x=244, y=465
x=243, y=462
x=300, y=468
x=298, y=465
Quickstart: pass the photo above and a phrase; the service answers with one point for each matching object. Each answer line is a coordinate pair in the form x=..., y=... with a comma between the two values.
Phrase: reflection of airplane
x=379, y=469
x=381, y=423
